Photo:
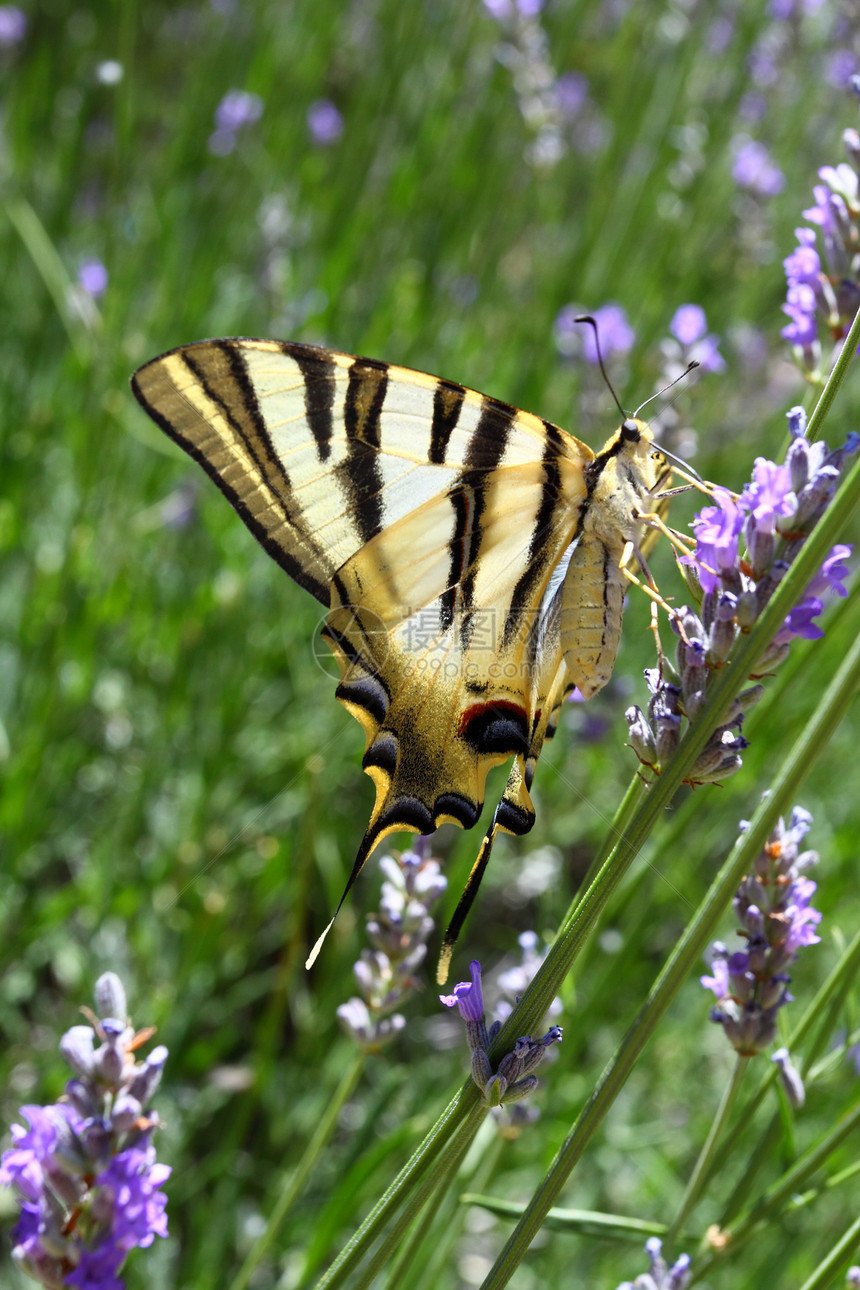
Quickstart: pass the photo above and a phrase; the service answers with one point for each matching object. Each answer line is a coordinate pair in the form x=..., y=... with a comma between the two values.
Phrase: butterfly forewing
x=440, y=528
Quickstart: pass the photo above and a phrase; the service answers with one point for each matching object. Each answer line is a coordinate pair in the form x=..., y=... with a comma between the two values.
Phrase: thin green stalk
x=777, y=1198
x=583, y=1222
x=702, y=1169
x=432, y=1183
x=299, y=1176
x=79, y=322
x=686, y=953
x=835, y=1261
x=457, y=1125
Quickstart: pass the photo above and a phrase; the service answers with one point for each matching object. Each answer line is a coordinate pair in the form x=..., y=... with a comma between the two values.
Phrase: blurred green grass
x=181, y=795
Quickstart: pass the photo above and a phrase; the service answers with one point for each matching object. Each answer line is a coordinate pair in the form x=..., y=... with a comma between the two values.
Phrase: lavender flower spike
x=386, y=974
x=513, y=1079
x=776, y=920
x=85, y=1168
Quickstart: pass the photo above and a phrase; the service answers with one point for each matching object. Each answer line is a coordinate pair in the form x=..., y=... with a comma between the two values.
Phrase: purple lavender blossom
x=754, y=168
x=237, y=110
x=85, y=1168
x=325, y=122
x=513, y=1078
x=659, y=1275
x=467, y=995
x=821, y=278
x=616, y=334
x=571, y=92
x=13, y=25
x=772, y=905
x=93, y=278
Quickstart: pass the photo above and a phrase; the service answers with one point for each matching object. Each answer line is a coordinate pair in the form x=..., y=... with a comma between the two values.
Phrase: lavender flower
x=753, y=168
x=822, y=285
x=325, y=123
x=13, y=25
x=616, y=334
x=93, y=278
x=659, y=1275
x=689, y=326
x=513, y=1079
x=776, y=920
x=237, y=110
x=772, y=518
x=85, y=1168
x=386, y=974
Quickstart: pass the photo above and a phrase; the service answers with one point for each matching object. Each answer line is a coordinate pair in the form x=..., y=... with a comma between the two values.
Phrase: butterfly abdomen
x=591, y=611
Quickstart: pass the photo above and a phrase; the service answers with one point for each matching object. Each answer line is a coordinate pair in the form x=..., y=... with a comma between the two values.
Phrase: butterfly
x=470, y=556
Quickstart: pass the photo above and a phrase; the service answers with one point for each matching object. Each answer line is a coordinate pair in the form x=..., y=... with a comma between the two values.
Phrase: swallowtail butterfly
x=469, y=556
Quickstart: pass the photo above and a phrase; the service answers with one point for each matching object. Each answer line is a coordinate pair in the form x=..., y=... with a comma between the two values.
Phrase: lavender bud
x=522, y=1088
x=148, y=1078
x=124, y=1112
x=110, y=997
x=746, y=610
x=641, y=736
x=76, y=1048
x=109, y=1059
x=668, y=736
x=797, y=460
x=814, y=497
x=80, y=1095
x=761, y=545
x=97, y=1143
x=796, y=421
x=482, y=1071
x=723, y=631
x=769, y=583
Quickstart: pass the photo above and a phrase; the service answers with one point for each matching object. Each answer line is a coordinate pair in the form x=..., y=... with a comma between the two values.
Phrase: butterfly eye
x=630, y=431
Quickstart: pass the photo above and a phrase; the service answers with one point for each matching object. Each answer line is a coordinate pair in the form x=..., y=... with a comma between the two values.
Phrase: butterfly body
x=468, y=553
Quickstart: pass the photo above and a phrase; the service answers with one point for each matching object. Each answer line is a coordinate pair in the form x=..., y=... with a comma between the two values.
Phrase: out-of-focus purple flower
x=86, y=1168
x=688, y=324
x=781, y=10
x=571, y=92
x=237, y=110
x=325, y=122
x=753, y=168
x=841, y=66
x=804, y=263
x=93, y=278
x=616, y=334
x=386, y=974
x=13, y=25
x=776, y=920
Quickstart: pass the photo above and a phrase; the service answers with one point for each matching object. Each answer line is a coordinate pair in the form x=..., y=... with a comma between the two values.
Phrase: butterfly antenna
x=587, y=318
x=686, y=372
x=464, y=904
x=685, y=465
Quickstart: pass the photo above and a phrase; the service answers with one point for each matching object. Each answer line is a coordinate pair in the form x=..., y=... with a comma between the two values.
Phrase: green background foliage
x=181, y=795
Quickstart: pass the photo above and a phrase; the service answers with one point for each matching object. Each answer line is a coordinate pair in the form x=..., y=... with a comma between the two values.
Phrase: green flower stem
x=837, y=376
x=702, y=1169
x=583, y=1222
x=835, y=1261
x=299, y=1176
x=778, y=1198
x=681, y=961
x=479, y=1166
x=434, y=1182
x=451, y=1134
